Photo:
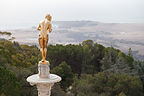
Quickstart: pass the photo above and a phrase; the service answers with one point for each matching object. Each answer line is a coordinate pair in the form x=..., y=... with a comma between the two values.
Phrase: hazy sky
x=32, y=11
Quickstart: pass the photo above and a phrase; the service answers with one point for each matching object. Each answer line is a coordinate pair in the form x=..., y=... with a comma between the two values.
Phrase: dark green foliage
x=18, y=55
x=88, y=58
x=130, y=58
x=103, y=84
x=116, y=61
x=138, y=70
x=57, y=91
x=89, y=43
x=9, y=84
x=65, y=72
x=84, y=58
x=109, y=58
x=92, y=55
x=72, y=54
x=22, y=61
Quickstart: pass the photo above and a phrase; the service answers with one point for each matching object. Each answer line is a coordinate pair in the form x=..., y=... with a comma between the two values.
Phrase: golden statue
x=43, y=27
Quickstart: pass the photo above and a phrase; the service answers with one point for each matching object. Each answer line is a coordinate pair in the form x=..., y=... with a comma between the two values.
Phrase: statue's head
x=48, y=17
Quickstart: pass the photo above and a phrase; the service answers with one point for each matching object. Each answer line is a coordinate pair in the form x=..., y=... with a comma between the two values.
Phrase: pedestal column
x=43, y=80
x=44, y=89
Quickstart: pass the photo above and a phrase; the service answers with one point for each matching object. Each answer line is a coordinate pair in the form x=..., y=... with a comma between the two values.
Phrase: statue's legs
x=41, y=42
x=45, y=46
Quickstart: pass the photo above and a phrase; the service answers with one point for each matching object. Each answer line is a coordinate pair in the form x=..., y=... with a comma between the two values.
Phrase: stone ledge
x=35, y=79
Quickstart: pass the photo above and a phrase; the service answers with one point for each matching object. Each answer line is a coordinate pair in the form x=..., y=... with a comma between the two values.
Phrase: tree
x=109, y=58
x=90, y=43
x=83, y=86
x=121, y=65
x=57, y=91
x=8, y=83
x=112, y=84
x=92, y=55
x=72, y=54
x=22, y=61
x=98, y=51
x=129, y=52
x=139, y=70
x=87, y=58
x=64, y=71
x=122, y=94
x=130, y=58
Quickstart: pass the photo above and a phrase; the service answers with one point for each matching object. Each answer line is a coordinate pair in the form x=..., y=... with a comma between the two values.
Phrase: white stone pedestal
x=44, y=80
x=43, y=70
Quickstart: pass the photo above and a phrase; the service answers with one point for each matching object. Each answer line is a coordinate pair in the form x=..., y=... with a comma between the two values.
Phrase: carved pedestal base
x=44, y=80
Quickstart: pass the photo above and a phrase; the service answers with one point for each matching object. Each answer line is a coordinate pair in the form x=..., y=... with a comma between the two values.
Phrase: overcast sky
x=25, y=11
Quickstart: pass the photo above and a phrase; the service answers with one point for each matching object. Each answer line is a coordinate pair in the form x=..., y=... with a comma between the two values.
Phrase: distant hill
x=119, y=35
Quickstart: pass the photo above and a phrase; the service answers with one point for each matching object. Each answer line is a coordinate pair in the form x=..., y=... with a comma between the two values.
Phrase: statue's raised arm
x=44, y=27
